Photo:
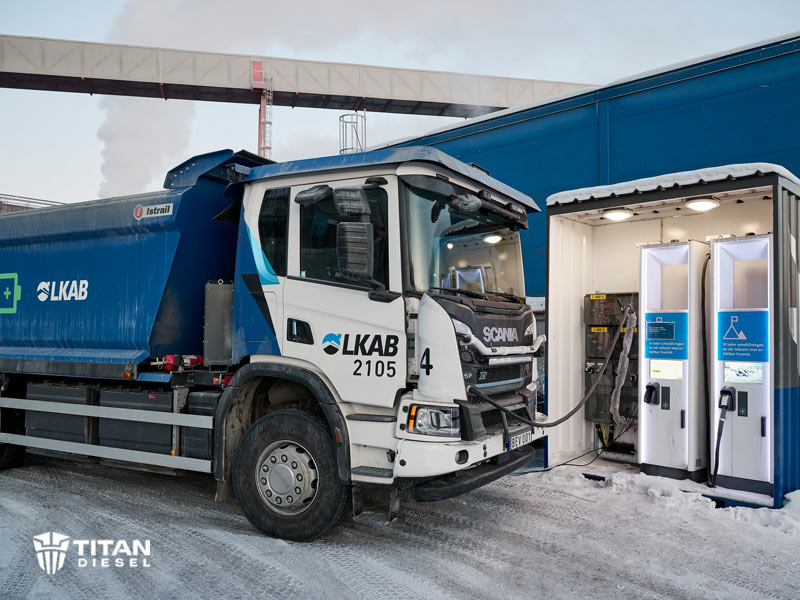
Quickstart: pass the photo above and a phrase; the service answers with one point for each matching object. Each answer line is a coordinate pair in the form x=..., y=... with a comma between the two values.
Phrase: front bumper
x=461, y=482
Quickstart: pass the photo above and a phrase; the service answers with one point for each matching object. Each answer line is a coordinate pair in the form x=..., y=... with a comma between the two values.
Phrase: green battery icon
x=10, y=293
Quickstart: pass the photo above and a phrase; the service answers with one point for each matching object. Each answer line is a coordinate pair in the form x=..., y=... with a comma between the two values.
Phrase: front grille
x=499, y=373
x=481, y=418
x=492, y=419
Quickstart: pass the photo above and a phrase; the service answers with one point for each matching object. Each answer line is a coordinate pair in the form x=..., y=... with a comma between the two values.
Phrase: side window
x=318, y=239
x=273, y=228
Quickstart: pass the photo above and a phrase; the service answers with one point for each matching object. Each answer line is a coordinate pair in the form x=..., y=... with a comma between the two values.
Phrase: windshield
x=453, y=247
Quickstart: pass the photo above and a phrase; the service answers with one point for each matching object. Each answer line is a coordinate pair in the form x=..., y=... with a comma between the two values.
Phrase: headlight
x=461, y=328
x=432, y=420
x=531, y=329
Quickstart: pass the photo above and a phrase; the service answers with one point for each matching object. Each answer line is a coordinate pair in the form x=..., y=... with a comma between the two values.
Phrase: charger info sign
x=743, y=335
x=666, y=335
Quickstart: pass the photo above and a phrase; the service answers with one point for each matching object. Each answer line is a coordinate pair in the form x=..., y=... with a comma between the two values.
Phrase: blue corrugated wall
x=743, y=107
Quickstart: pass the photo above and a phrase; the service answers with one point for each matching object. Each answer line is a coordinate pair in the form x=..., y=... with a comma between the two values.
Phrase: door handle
x=383, y=295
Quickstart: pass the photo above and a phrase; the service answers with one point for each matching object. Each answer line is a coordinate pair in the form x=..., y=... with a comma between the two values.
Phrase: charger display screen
x=661, y=368
x=743, y=372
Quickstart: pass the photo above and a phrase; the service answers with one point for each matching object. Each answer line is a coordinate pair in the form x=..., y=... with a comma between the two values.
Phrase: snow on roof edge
x=669, y=180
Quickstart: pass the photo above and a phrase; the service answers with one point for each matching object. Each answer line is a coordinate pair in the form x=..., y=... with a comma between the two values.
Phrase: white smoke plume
x=143, y=138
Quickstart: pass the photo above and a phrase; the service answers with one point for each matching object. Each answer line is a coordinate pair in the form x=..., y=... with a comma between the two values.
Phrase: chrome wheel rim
x=286, y=477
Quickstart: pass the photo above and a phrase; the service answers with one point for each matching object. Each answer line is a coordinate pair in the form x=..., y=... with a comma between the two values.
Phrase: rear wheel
x=284, y=475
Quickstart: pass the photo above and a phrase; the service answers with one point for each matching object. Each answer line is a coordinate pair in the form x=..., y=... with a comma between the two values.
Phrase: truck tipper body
x=297, y=330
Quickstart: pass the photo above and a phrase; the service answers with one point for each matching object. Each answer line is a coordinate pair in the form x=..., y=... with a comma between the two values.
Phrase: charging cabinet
x=671, y=400
x=742, y=374
x=644, y=236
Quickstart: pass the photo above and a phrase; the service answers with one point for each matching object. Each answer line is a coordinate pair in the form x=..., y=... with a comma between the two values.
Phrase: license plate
x=521, y=439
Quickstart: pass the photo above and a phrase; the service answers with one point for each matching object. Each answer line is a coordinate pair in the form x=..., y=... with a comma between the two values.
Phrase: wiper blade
x=471, y=293
x=519, y=299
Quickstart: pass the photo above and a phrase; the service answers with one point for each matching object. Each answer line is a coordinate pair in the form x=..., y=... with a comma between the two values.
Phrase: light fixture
x=702, y=204
x=492, y=239
x=449, y=245
x=617, y=214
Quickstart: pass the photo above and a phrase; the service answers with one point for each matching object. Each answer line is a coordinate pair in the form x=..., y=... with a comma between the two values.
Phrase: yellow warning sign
x=597, y=296
x=599, y=329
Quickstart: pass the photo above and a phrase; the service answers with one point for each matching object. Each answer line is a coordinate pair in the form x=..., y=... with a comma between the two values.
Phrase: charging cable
x=630, y=314
x=726, y=403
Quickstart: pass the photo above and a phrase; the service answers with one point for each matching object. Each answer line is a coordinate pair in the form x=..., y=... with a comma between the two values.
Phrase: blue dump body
x=115, y=281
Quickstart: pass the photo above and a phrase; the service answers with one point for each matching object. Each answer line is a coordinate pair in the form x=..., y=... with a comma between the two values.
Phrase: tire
x=10, y=456
x=284, y=476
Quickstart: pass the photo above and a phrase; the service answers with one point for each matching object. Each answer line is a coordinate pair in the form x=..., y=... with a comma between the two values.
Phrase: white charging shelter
x=595, y=241
x=672, y=419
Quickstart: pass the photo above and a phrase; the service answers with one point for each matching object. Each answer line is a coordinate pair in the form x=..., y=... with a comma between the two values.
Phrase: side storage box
x=131, y=435
x=66, y=428
x=218, y=324
x=197, y=443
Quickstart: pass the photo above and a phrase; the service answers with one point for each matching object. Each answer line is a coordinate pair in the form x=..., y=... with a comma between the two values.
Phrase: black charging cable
x=703, y=319
x=724, y=407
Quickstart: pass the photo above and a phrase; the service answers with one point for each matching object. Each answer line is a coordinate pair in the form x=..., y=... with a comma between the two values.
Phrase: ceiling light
x=702, y=204
x=449, y=245
x=617, y=214
x=492, y=239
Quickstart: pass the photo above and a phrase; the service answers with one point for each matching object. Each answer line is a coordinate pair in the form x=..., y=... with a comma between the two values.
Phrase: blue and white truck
x=299, y=330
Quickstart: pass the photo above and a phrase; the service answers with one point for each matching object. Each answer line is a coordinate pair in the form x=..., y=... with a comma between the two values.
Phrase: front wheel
x=284, y=475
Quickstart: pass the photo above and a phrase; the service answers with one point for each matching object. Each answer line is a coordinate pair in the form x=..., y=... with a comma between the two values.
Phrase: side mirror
x=313, y=195
x=355, y=250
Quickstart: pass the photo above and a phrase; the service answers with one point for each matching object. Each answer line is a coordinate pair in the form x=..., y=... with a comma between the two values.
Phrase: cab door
x=261, y=263
x=355, y=337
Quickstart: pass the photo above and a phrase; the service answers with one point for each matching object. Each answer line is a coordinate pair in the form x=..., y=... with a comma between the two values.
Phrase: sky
x=72, y=147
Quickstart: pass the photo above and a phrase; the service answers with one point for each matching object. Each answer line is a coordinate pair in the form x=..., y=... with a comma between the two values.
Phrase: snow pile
x=670, y=494
x=791, y=503
x=782, y=520
x=660, y=491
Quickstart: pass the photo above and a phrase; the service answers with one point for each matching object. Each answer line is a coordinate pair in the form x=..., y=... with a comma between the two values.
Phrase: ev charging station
x=713, y=256
x=742, y=371
x=671, y=409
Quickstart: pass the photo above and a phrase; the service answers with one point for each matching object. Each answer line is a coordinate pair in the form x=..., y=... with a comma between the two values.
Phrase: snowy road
x=552, y=535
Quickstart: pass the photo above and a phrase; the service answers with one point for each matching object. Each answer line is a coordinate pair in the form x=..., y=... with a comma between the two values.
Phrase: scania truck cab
x=312, y=327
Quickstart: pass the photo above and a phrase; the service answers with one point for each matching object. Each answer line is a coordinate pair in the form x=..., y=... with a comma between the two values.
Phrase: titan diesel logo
x=331, y=343
x=57, y=291
x=51, y=552
x=154, y=210
x=500, y=334
x=361, y=344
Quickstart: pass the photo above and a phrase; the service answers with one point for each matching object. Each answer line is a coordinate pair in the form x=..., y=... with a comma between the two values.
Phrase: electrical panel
x=597, y=407
x=602, y=315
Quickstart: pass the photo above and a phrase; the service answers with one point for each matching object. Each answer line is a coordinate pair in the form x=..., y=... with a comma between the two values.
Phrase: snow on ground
x=552, y=535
